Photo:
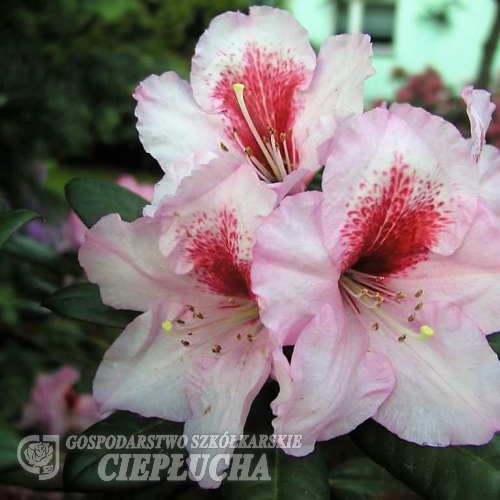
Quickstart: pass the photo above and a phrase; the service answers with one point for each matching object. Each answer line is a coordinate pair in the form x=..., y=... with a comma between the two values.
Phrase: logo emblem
x=39, y=455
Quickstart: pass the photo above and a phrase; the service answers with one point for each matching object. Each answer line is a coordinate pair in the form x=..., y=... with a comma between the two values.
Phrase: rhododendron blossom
x=56, y=408
x=258, y=94
x=199, y=352
x=403, y=251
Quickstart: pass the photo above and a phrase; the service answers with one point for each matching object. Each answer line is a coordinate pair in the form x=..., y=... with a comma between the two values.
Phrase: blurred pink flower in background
x=73, y=230
x=56, y=408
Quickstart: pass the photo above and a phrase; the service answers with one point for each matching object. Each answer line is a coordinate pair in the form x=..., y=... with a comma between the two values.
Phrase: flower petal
x=479, y=110
x=144, y=370
x=171, y=125
x=124, y=259
x=221, y=392
x=447, y=387
x=268, y=51
x=489, y=169
x=470, y=278
x=173, y=177
x=216, y=212
x=397, y=184
x=343, y=65
x=289, y=248
x=335, y=383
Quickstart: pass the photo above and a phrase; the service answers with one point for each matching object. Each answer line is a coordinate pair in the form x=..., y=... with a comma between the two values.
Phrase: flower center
x=386, y=308
x=276, y=156
x=215, y=328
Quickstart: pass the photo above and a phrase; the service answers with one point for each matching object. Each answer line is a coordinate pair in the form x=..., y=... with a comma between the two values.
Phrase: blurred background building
x=447, y=35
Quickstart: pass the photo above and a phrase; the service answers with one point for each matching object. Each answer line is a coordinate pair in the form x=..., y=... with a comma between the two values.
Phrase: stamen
x=216, y=349
x=419, y=293
x=224, y=147
x=167, y=325
x=361, y=289
x=426, y=331
x=238, y=90
x=185, y=343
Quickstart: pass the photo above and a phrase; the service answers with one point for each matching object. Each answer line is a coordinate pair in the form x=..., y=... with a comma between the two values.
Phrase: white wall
x=455, y=51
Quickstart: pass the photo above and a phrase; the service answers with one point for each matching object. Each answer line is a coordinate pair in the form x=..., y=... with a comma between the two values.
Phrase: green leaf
x=81, y=469
x=291, y=478
x=82, y=301
x=363, y=479
x=13, y=220
x=465, y=472
x=92, y=199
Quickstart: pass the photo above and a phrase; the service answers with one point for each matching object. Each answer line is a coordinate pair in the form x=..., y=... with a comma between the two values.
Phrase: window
x=375, y=17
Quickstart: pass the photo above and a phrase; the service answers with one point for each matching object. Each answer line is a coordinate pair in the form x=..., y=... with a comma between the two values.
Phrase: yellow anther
x=419, y=306
x=411, y=317
x=238, y=88
x=401, y=295
x=167, y=325
x=419, y=293
x=426, y=331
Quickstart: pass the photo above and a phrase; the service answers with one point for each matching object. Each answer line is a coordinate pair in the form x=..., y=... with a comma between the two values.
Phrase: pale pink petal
x=489, y=169
x=172, y=179
x=447, y=387
x=397, y=184
x=221, y=392
x=268, y=51
x=470, y=278
x=215, y=215
x=129, y=182
x=479, y=110
x=124, y=259
x=292, y=274
x=292, y=184
x=144, y=370
x=335, y=383
x=343, y=65
x=170, y=123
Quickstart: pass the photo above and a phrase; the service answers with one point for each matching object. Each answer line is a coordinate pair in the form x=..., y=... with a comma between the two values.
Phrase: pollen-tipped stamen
x=238, y=90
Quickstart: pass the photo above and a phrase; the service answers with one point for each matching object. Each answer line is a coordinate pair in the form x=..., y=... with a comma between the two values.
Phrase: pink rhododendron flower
x=479, y=110
x=73, y=229
x=258, y=94
x=199, y=352
x=403, y=255
x=56, y=408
